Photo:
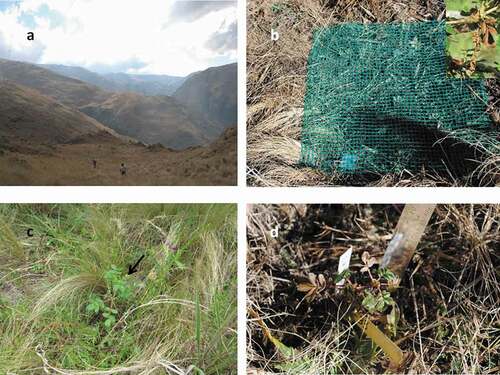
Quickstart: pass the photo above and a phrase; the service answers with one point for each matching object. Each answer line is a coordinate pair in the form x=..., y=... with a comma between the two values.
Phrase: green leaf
x=286, y=351
x=460, y=46
x=378, y=302
x=386, y=273
x=369, y=302
x=110, y=321
x=92, y=308
x=489, y=57
x=380, y=306
x=109, y=310
x=386, y=297
x=112, y=275
x=95, y=305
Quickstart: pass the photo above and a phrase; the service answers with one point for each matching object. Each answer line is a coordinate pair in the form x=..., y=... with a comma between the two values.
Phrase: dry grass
x=70, y=306
x=276, y=87
x=448, y=299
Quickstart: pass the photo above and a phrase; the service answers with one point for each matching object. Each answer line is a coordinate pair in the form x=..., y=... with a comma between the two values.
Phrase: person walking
x=123, y=169
x=94, y=163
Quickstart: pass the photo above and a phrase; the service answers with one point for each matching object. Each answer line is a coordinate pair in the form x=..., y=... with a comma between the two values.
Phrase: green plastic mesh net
x=378, y=99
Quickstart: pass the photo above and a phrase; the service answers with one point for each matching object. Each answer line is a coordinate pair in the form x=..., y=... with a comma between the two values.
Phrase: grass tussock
x=445, y=312
x=277, y=72
x=68, y=305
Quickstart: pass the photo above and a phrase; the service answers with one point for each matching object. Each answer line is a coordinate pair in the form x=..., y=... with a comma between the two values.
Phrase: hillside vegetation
x=47, y=121
x=69, y=306
x=152, y=119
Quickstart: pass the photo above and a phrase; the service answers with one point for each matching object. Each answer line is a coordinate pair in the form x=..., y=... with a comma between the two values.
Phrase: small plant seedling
x=119, y=290
x=387, y=274
x=120, y=287
x=110, y=318
x=95, y=305
x=377, y=302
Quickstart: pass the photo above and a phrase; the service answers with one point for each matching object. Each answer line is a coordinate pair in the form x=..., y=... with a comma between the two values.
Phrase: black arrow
x=133, y=269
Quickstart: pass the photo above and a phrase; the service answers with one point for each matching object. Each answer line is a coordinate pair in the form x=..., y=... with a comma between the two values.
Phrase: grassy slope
x=70, y=164
x=46, y=122
x=68, y=91
x=448, y=301
x=181, y=310
x=276, y=86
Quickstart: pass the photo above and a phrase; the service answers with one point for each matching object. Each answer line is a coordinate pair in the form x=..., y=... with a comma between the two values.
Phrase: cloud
x=191, y=10
x=223, y=41
x=137, y=39
x=14, y=44
x=54, y=17
x=32, y=54
x=6, y=4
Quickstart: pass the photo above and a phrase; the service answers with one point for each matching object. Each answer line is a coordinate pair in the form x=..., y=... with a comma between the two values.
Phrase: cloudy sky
x=174, y=37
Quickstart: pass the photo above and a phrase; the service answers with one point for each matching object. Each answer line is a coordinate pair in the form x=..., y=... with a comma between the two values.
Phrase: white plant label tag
x=344, y=261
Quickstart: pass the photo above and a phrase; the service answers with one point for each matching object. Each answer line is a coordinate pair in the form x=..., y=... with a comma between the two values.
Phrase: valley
x=52, y=127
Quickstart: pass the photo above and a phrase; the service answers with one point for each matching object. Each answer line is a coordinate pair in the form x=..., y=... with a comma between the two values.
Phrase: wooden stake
x=411, y=226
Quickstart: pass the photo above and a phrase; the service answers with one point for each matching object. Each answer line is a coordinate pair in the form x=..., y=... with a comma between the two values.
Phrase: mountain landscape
x=146, y=84
x=209, y=92
x=56, y=120
x=152, y=119
x=121, y=82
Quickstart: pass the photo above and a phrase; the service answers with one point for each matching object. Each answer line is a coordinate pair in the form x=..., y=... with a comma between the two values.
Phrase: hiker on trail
x=123, y=169
x=94, y=163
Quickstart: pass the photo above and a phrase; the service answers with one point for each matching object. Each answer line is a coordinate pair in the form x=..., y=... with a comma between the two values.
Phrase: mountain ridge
x=145, y=84
x=47, y=121
x=165, y=119
x=213, y=94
